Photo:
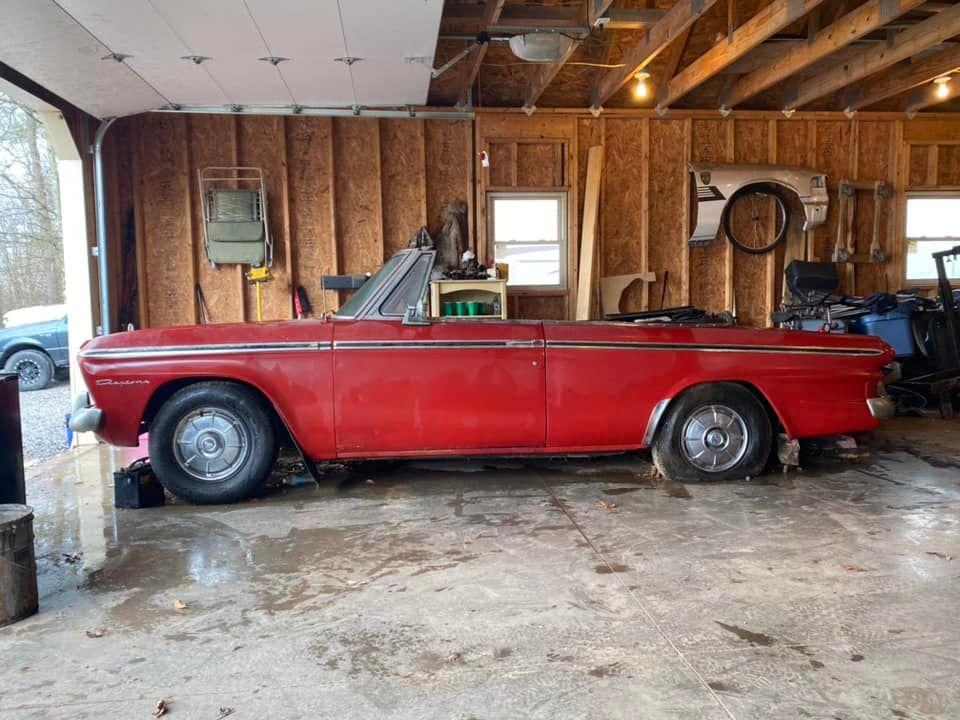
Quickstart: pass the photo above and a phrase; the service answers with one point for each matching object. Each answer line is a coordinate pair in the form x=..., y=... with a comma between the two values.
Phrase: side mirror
x=415, y=315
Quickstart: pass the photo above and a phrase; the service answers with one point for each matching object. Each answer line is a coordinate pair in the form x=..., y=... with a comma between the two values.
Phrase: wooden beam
x=543, y=74
x=871, y=60
x=491, y=13
x=924, y=97
x=588, y=237
x=902, y=78
x=676, y=20
x=632, y=18
x=852, y=26
x=767, y=22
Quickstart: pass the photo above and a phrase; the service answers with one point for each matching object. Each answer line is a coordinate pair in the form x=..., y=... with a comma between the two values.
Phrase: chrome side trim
x=223, y=349
x=434, y=344
x=776, y=349
x=654, y=422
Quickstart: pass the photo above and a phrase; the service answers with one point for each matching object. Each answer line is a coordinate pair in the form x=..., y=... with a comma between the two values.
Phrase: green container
x=475, y=308
x=461, y=307
x=449, y=308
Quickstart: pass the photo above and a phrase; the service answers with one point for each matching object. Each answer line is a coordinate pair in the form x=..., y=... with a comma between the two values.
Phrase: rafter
x=924, y=97
x=676, y=21
x=871, y=60
x=542, y=75
x=854, y=25
x=918, y=72
x=491, y=13
x=769, y=20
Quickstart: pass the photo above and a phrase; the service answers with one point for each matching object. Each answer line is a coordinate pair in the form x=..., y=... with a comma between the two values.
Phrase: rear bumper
x=882, y=408
x=85, y=417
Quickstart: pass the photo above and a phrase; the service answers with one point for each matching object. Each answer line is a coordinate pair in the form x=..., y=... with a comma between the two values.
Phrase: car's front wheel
x=716, y=431
x=33, y=367
x=213, y=442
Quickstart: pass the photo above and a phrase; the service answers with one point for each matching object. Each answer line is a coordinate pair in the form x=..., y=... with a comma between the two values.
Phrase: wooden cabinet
x=484, y=291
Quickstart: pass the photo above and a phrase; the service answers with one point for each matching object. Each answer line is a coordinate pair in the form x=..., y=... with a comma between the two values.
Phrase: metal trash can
x=18, y=564
x=12, y=487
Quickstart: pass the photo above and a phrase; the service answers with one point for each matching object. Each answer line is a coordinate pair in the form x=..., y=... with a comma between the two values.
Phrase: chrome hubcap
x=211, y=443
x=715, y=438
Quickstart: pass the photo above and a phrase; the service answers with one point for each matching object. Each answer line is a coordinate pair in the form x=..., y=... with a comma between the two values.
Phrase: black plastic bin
x=12, y=488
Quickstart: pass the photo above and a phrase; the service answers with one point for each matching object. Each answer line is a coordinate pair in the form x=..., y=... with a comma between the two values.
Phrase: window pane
x=920, y=265
x=531, y=264
x=406, y=293
x=526, y=219
x=356, y=301
x=933, y=217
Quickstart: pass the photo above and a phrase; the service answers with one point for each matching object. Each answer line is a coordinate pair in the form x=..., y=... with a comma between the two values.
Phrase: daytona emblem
x=101, y=383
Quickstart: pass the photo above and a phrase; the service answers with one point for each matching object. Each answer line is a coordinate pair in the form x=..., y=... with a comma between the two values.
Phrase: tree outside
x=31, y=240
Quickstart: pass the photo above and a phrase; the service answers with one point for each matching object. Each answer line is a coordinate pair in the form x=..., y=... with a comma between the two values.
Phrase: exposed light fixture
x=642, y=91
x=196, y=59
x=541, y=47
x=943, y=86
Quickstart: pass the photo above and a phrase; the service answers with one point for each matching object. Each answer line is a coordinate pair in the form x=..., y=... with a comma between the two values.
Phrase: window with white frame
x=528, y=231
x=933, y=224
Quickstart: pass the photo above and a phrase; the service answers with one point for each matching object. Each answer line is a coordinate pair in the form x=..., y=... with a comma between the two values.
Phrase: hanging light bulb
x=642, y=91
x=943, y=86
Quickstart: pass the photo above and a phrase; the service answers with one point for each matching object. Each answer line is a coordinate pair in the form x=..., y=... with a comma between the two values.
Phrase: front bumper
x=85, y=417
x=882, y=408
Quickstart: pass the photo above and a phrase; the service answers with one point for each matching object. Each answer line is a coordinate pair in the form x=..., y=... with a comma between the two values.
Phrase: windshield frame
x=382, y=284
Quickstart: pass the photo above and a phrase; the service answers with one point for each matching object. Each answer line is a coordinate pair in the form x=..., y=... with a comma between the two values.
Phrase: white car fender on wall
x=715, y=183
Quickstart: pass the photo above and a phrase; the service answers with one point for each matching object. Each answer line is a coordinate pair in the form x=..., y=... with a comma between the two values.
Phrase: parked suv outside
x=34, y=351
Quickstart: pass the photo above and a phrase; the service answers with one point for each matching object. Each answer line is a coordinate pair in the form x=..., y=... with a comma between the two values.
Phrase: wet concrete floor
x=504, y=589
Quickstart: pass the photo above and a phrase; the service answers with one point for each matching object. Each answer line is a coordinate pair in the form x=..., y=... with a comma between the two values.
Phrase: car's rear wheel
x=34, y=368
x=716, y=431
x=213, y=442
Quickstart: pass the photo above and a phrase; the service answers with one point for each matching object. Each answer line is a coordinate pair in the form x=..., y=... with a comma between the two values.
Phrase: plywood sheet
x=503, y=164
x=312, y=233
x=168, y=248
x=711, y=264
x=213, y=143
x=539, y=165
x=624, y=206
x=875, y=161
x=919, y=158
x=402, y=182
x=948, y=165
x=753, y=301
x=449, y=153
x=668, y=246
x=356, y=161
x=833, y=153
x=262, y=143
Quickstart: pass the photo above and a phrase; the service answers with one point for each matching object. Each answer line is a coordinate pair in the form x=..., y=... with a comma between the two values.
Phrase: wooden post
x=18, y=565
x=591, y=206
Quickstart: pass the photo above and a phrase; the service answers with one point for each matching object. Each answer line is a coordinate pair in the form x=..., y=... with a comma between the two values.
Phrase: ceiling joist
x=851, y=27
x=674, y=23
x=491, y=13
x=919, y=72
x=871, y=60
x=768, y=21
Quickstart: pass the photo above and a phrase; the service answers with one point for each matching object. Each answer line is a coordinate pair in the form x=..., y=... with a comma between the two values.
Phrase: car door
x=60, y=352
x=448, y=386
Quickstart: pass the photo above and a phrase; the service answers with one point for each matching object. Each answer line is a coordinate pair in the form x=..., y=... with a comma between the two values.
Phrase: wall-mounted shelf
x=485, y=291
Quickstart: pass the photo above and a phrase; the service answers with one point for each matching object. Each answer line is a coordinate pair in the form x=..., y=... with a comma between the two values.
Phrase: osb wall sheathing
x=343, y=195
x=346, y=193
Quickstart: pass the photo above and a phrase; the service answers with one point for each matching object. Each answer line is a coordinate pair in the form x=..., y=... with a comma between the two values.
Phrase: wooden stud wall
x=343, y=194
x=346, y=193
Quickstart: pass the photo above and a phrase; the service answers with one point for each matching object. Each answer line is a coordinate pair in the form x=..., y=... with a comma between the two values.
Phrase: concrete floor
x=556, y=590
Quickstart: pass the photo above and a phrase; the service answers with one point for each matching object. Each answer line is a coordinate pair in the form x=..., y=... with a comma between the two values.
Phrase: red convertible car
x=380, y=380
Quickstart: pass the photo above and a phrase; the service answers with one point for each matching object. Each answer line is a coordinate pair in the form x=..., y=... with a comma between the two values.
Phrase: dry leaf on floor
x=161, y=708
x=96, y=633
x=606, y=505
x=454, y=657
x=224, y=712
x=855, y=568
x=72, y=558
x=179, y=605
x=942, y=556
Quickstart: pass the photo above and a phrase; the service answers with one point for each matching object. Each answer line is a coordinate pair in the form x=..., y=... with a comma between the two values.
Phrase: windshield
x=352, y=306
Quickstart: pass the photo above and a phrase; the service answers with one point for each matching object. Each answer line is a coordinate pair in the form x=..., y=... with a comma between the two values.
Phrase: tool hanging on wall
x=845, y=247
x=258, y=277
x=202, y=305
x=301, y=303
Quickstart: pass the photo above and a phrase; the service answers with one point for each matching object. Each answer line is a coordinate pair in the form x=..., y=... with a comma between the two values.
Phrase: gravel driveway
x=41, y=421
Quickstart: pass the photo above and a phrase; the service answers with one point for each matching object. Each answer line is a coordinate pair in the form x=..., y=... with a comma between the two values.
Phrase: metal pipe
x=358, y=111
x=100, y=210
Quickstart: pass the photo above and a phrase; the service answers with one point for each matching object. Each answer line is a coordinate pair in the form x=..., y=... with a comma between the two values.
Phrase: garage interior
x=497, y=587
